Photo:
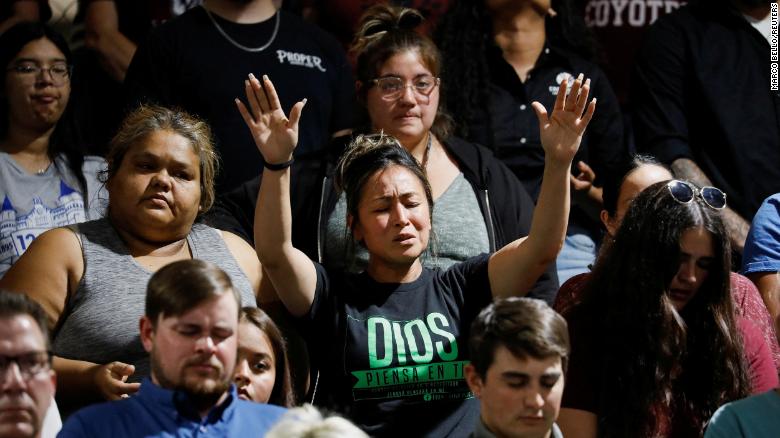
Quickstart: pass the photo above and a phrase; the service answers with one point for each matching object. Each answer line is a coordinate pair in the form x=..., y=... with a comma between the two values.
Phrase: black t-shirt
x=188, y=63
x=391, y=356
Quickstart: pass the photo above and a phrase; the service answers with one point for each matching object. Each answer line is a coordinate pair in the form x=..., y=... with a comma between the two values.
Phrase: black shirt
x=509, y=125
x=392, y=355
x=186, y=62
x=702, y=91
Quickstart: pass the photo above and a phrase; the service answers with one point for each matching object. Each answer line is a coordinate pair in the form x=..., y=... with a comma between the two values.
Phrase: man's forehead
x=506, y=359
x=218, y=311
x=20, y=333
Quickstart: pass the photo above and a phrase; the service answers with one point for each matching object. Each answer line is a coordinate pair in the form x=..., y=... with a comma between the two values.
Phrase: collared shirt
x=481, y=431
x=159, y=412
x=510, y=127
x=702, y=91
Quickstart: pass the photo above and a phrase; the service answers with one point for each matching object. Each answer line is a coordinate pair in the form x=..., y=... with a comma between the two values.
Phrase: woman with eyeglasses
x=656, y=344
x=389, y=341
x=480, y=204
x=46, y=181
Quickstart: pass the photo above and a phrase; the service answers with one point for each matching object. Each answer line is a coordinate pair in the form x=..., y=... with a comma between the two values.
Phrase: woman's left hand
x=562, y=131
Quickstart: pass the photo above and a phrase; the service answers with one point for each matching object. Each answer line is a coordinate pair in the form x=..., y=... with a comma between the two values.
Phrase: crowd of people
x=216, y=221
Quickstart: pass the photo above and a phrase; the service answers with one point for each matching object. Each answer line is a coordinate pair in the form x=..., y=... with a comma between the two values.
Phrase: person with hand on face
x=190, y=330
x=46, y=181
x=27, y=382
x=519, y=351
x=262, y=371
x=89, y=278
x=657, y=345
x=397, y=319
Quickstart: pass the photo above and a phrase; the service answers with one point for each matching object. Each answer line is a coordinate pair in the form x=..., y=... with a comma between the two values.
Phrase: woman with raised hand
x=657, y=345
x=480, y=205
x=91, y=278
x=46, y=181
x=389, y=341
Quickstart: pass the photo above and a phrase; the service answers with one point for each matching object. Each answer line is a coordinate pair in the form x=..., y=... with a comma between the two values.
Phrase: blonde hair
x=147, y=119
x=308, y=422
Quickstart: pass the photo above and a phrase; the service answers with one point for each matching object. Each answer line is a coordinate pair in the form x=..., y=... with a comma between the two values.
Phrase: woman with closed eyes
x=480, y=204
x=656, y=344
x=389, y=341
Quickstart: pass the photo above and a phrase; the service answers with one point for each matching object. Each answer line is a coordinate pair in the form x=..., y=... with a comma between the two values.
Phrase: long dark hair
x=465, y=35
x=282, y=393
x=64, y=138
x=655, y=362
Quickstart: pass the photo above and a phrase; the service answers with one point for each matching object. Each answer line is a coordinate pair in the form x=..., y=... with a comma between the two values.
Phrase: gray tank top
x=458, y=225
x=100, y=321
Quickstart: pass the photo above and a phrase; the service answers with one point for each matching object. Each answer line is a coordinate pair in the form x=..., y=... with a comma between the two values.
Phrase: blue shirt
x=754, y=417
x=158, y=412
x=762, y=247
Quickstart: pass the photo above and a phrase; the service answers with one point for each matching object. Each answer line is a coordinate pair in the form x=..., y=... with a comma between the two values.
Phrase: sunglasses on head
x=684, y=192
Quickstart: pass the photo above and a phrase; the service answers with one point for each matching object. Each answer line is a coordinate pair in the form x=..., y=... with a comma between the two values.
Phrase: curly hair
x=656, y=362
x=465, y=35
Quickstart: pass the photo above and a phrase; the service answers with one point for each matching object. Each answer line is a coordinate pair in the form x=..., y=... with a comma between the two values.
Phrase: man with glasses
x=27, y=382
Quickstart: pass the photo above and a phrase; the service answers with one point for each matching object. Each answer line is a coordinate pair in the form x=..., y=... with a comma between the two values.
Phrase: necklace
x=241, y=46
x=427, y=152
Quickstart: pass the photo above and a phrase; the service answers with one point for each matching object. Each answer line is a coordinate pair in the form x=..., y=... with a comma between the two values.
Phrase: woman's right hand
x=111, y=380
x=275, y=135
x=561, y=131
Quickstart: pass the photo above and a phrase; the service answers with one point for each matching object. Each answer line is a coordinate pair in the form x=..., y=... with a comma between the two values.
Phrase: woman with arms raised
x=91, y=278
x=480, y=205
x=388, y=341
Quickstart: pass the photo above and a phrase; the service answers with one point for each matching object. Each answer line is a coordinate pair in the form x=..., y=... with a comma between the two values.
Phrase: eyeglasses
x=393, y=87
x=684, y=192
x=59, y=73
x=30, y=364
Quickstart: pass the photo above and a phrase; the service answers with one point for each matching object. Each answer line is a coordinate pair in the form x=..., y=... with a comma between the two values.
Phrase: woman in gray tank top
x=91, y=278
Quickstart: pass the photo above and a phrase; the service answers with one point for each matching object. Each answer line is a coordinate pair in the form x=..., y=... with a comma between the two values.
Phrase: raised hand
x=275, y=135
x=561, y=132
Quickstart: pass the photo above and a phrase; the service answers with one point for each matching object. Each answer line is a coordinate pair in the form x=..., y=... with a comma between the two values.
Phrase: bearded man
x=190, y=331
